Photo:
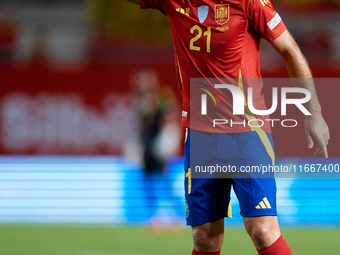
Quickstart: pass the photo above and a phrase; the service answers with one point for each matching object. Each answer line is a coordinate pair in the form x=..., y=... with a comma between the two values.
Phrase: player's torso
x=208, y=35
x=212, y=39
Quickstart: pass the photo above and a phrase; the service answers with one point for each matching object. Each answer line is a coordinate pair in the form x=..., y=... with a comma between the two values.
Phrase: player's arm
x=136, y=1
x=297, y=66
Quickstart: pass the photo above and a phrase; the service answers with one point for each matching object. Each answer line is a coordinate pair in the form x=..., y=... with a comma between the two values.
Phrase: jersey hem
x=222, y=131
x=278, y=34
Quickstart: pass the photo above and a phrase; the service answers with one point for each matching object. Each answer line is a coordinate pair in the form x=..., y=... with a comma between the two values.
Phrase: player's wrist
x=315, y=111
x=315, y=116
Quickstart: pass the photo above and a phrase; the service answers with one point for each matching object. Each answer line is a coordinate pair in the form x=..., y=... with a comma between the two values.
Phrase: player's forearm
x=135, y=1
x=298, y=68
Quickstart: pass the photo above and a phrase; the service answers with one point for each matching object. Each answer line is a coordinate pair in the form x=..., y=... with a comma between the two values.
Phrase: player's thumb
x=309, y=141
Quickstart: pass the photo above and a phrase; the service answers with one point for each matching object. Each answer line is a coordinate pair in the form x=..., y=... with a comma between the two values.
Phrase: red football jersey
x=219, y=39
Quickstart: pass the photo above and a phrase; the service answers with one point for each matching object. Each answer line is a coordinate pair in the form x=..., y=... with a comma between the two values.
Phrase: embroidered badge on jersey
x=221, y=13
x=274, y=21
x=202, y=13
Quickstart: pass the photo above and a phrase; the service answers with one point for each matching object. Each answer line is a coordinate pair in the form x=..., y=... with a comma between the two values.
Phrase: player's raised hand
x=316, y=126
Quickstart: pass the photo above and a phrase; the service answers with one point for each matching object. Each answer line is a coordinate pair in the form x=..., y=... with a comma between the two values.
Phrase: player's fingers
x=325, y=152
x=328, y=137
x=318, y=152
x=323, y=146
x=310, y=142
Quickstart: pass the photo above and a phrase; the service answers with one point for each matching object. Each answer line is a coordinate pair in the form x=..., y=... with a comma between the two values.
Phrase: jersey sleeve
x=152, y=4
x=264, y=19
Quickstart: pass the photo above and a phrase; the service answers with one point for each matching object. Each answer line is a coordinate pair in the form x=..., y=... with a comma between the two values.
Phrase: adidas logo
x=264, y=204
x=264, y=2
x=186, y=11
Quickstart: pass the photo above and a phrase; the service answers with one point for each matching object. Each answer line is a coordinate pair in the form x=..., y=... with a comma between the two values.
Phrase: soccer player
x=221, y=39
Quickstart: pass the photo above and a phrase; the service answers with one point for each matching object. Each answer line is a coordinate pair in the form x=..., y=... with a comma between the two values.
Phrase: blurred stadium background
x=70, y=180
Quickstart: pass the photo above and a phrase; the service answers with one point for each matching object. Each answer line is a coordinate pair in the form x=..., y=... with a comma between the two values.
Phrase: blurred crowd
x=9, y=33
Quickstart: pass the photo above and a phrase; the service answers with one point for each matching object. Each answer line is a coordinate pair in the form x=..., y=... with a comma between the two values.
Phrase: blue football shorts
x=208, y=199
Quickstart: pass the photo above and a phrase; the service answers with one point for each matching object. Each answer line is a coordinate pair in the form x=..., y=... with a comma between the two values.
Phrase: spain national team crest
x=221, y=13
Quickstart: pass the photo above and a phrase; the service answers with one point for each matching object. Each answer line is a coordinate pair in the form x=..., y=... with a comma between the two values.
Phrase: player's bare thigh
x=208, y=237
x=263, y=230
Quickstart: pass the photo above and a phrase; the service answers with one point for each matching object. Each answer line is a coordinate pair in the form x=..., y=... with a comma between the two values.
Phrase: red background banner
x=89, y=111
